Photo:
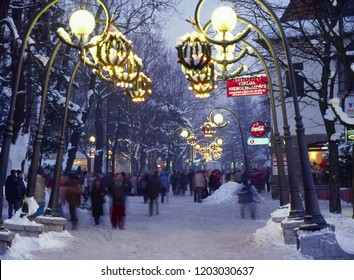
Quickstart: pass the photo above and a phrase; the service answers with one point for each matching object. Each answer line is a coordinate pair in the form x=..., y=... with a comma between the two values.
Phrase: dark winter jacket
x=173, y=179
x=11, y=192
x=73, y=192
x=163, y=178
x=183, y=180
x=21, y=188
x=153, y=188
x=119, y=191
x=97, y=199
x=190, y=176
x=246, y=194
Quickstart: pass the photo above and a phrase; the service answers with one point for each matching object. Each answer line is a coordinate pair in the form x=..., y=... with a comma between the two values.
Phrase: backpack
x=245, y=196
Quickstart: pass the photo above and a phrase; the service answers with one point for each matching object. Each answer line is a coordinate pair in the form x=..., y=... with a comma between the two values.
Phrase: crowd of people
x=154, y=187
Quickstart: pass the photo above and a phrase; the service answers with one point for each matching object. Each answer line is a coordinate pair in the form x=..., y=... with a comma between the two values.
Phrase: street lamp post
x=219, y=119
x=52, y=209
x=296, y=206
x=91, y=153
x=313, y=219
x=187, y=134
x=33, y=169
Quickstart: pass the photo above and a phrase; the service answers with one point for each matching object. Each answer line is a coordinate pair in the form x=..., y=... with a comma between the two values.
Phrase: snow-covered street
x=183, y=230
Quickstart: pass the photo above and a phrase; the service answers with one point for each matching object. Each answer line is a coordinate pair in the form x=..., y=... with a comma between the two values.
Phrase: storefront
x=318, y=155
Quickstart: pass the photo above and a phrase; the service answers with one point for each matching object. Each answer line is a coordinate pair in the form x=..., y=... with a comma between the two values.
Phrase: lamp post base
x=296, y=214
x=51, y=212
x=51, y=223
x=321, y=246
x=313, y=223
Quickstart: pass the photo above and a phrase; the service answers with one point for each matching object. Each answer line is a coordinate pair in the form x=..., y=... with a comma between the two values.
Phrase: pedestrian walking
x=182, y=183
x=227, y=176
x=238, y=175
x=11, y=194
x=118, y=190
x=247, y=197
x=144, y=181
x=39, y=194
x=21, y=188
x=199, y=184
x=97, y=195
x=153, y=189
x=190, y=176
x=164, y=183
x=174, y=181
x=214, y=181
x=72, y=194
x=268, y=179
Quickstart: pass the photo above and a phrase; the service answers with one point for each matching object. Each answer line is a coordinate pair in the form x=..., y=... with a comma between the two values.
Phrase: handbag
x=25, y=205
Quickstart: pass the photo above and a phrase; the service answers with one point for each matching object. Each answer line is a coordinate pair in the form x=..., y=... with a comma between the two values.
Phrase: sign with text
x=258, y=129
x=258, y=141
x=349, y=133
x=247, y=85
x=349, y=106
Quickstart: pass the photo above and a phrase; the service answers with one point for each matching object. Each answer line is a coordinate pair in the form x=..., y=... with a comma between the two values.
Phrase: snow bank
x=225, y=194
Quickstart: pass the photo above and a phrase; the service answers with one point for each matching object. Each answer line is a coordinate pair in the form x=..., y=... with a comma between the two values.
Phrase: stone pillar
x=290, y=228
x=280, y=214
x=322, y=245
x=50, y=223
x=6, y=238
x=31, y=229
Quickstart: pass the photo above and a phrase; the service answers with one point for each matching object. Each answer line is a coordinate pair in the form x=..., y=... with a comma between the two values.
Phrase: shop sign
x=247, y=85
x=258, y=129
x=349, y=106
x=349, y=133
x=258, y=141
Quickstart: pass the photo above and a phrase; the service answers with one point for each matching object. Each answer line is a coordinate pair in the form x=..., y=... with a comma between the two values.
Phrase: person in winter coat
x=118, y=190
x=182, y=183
x=153, y=188
x=144, y=181
x=247, y=197
x=72, y=194
x=238, y=175
x=39, y=194
x=97, y=195
x=174, y=182
x=190, y=176
x=11, y=193
x=163, y=178
x=214, y=181
x=199, y=184
x=21, y=188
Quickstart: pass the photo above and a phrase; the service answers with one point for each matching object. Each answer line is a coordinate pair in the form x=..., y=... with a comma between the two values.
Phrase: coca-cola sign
x=258, y=129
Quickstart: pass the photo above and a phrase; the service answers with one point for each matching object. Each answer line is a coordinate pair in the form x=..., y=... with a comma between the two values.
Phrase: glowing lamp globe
x=218, y=119
x=82, y=23
x=184, y=134
x=223, y=19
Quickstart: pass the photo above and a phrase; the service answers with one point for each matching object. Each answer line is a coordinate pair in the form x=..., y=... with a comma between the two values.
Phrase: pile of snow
x=225, y=194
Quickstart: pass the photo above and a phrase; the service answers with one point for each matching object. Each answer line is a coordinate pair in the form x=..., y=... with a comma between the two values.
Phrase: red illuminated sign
x=245, y=86
x=258, y=129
